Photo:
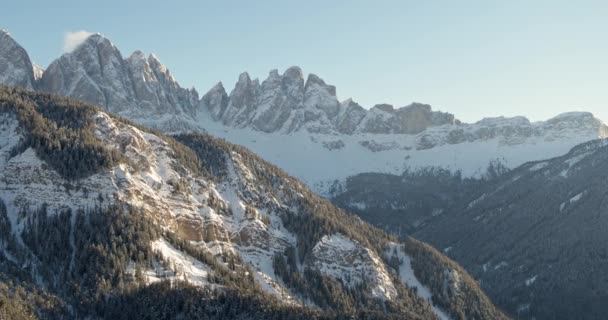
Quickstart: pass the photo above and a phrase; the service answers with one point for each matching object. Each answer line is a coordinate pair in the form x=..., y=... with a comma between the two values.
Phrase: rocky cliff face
x=136, y=87
x=281, y=103
x=143, y=89
x=412, y=119
x=16, y=69
x=286, y=103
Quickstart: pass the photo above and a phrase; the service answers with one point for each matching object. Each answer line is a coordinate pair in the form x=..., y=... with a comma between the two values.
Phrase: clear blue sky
x=470, y=58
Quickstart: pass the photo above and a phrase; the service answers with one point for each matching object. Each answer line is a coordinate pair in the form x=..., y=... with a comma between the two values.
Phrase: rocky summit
x=143, y=88
x=135, y=87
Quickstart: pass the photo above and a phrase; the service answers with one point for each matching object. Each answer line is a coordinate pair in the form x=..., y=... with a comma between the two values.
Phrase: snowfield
x=314, y=159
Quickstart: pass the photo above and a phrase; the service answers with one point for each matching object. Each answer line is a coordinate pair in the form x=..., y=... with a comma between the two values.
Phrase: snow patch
x=186, y=268
x=358, y=205
x=476, y=201
x=576, y=197
x=572, y=200
x=531, y=280
x=486, y=266
x=406, y=274
x=539, y=166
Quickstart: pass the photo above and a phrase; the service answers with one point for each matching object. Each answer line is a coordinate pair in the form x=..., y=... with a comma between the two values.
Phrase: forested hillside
x=533, y=236
x=116, y=221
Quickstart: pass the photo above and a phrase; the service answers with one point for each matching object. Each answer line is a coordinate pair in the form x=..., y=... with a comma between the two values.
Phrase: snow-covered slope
x=236, y=210
x=407, y=275
x=322, y=159
x=183, y=266
x=152, y=186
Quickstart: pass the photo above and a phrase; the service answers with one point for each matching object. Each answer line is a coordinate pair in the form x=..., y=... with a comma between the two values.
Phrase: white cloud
x=71, y=40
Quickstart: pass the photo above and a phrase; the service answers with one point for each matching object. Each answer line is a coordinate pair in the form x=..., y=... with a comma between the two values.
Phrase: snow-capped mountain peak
x=134, y=87
x=137, y=55
x=215, y=101
x=99, y=39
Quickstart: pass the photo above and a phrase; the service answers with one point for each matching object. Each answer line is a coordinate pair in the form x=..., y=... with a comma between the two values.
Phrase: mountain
x=326, y=161
x=298, y=123
x=16, y=69
x=144, y=89
x=410, y=170
x=534, y=236
x=135, y=87
x=106, y=219
x=286, y=104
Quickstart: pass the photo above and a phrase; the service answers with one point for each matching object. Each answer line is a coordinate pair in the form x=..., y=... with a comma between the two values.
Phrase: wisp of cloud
x=71, y=40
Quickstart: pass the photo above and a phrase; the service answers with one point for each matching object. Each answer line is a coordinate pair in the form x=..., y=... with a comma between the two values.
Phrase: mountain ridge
x=314, y=88
x=547, y=243
x=307, y=119
x=533, y=236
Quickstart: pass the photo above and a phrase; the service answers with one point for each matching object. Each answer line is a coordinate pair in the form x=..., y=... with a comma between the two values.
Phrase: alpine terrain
x=536, y=237
x=102, y=218
x=525, y=234
x=296, y=122
x=100, y=211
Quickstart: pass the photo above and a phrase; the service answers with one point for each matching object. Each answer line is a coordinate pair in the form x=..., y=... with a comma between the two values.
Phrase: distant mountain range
x=297, y=124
